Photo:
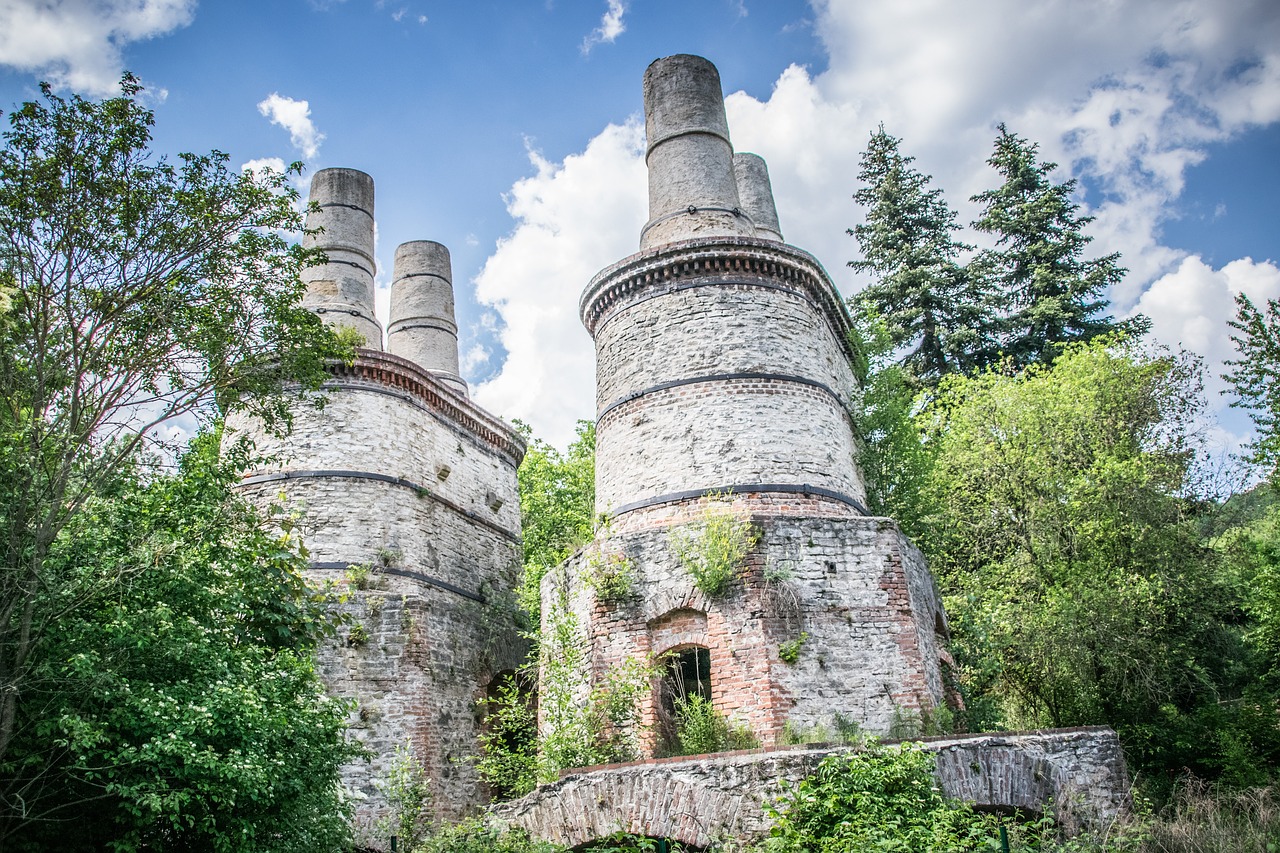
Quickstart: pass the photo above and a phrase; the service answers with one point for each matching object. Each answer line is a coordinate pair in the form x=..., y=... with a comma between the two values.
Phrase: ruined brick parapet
x=852, y=595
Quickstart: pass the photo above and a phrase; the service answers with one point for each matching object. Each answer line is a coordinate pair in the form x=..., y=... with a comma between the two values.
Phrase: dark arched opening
x=687, y=674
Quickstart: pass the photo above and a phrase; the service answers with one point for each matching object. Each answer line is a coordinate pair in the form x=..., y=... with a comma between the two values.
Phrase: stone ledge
x=1079, y=773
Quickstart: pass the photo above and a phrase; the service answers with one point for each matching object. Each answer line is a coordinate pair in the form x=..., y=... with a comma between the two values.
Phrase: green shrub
x=878, y=798
x=712, y=550
x=700, y=729
x=789, y=651
x=611, y=576
x=508, y=761
x=476, y=836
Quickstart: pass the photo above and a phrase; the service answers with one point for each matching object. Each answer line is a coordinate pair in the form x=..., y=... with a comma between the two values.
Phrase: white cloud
x=1190, y=306
x=611, y=26
x=566, y=230
x=295, y=117
x=1126, y=96
x=77, y=44
x=275, y=164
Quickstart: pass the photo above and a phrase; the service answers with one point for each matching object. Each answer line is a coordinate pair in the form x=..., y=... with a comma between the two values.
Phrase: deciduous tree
x=136, y=290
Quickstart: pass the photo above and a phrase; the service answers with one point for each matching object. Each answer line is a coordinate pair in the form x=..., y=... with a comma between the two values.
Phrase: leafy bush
x=476, y=836
x=701, y=729
x=712, y=550
x=880, y=798
x=790, y=650
x=508, y=761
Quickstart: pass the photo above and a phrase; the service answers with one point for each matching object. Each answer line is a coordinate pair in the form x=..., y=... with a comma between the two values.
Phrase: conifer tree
x=925, y=298
x=1053, y=294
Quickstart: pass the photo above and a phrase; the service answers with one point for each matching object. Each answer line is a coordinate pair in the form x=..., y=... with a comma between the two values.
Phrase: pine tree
x=1054, y=295
x=925, y=298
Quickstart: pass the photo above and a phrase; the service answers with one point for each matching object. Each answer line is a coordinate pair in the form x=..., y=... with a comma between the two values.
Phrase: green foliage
x=557, y=505
x=789, y=651
x=625, y=842
x=1078, y=589
x=931, y=310
x=610, y=575
x=582, y=725
x=879, y=798
x=1038, y=265
x=360, y=575
x=182, y=710
x=1256, y=377
x=477, y=836
x=357, y=636
x=713, y=549
x=137, y=290
x=408, y=795
x=843, y=731
x=700, y=729
x=892, y=455
x=508, y=761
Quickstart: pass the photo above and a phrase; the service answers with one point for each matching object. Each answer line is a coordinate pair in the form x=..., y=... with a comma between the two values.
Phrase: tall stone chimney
x=422, y=327
x=692, y=190
x=341, y=290
x=724, y=387
x=756, y=194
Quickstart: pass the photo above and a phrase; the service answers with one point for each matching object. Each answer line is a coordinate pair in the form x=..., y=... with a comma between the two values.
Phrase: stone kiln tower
x=724, y=385
x=406, y=495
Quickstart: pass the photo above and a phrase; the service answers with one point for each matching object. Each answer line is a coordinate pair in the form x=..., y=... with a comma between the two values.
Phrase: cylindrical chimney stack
x=756, y=194
x=422, y=327
x=692, y=190
x=341, y=290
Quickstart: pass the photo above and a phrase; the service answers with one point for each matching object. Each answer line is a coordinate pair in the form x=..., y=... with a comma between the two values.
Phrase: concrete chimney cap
x=347, y=187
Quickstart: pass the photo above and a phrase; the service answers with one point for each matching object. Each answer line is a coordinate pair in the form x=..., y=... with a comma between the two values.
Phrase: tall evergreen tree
x=1054, y=295
x=928, y=303
x=1255, y=376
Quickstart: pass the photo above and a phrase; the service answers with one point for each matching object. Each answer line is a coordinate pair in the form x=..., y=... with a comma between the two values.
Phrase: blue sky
x=510, y=131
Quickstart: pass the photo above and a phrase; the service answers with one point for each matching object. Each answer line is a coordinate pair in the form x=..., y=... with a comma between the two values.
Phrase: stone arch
x=675, y=802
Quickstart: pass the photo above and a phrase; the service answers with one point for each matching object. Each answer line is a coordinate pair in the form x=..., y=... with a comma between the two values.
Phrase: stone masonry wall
x=856, y=590
x=698, y=799
x=398, y=474
x=720, y=363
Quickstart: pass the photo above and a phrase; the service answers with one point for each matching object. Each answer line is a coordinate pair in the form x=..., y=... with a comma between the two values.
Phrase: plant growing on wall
x=584, y=725
x=408, y=793
x=712, y=550
x=790, y=650
x=610, y=575
x=508, y=761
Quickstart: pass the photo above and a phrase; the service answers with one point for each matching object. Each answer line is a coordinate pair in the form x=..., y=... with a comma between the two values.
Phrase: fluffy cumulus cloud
x=611, y=26
x=77, y=44
x=1190, y=306
x=1125, y=96
x=572, y=219
x=295, y=117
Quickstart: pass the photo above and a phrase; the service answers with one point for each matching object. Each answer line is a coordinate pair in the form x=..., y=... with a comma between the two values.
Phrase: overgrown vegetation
x=713, y=549
x=700, y=729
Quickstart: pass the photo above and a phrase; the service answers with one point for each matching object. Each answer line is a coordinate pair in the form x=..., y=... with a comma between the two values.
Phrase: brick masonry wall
x=858, y=590
x=1079, y=773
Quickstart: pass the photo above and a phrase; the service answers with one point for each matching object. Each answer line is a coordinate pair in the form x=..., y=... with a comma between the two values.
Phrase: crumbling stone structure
x=405, y=492
x=724, y=385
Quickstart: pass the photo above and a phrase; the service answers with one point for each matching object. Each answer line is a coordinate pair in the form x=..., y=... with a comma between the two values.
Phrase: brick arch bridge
x=697, y=799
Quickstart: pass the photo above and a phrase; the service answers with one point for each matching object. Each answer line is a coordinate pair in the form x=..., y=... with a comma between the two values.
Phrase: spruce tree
x=1052, y=293
x=925, y=298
